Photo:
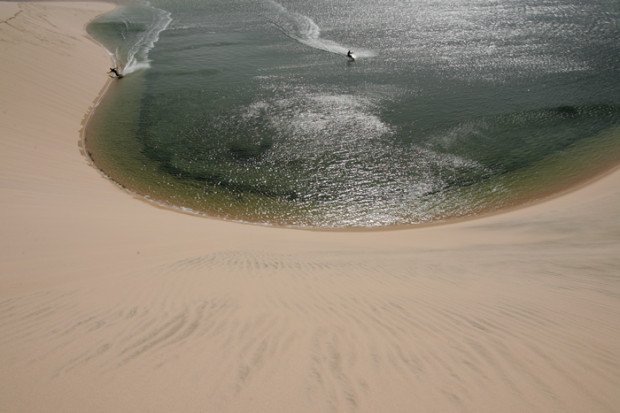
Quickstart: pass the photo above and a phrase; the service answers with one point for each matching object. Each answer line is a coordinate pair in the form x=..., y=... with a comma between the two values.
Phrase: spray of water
x=304, y=30
x=137, y=55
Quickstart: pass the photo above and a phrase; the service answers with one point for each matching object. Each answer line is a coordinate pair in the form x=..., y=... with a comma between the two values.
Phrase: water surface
x=249, y=110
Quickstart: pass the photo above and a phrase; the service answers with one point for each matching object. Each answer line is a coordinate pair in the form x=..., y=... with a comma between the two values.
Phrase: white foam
x=303, y=29
x=138, y=54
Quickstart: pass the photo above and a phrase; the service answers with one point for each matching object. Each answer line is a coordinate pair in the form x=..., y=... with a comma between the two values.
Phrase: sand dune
x=110, y=304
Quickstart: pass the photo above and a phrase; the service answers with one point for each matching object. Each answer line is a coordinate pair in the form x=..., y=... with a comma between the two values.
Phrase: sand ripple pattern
x=109, y=305
x=344, y=332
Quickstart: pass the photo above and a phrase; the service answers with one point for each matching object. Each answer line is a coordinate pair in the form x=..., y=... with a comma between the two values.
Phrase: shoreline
x=514, y=204
x=108, y=304
x=395, y=227
x=512, y=207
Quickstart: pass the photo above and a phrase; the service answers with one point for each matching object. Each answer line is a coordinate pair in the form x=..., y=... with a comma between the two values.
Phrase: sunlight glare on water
x=250, y=109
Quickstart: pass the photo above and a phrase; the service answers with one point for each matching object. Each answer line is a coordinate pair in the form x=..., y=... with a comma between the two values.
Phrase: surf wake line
x=134, y=56
x=304, y=30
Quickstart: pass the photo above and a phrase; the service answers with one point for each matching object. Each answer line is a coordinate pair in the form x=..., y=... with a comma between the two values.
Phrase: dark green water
x=249, y=110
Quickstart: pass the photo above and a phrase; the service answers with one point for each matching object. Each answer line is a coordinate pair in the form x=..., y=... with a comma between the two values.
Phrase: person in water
x=115, y=71
x=350, y=55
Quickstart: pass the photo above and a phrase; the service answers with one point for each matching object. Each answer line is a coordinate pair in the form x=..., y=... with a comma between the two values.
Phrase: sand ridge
x=109, y=304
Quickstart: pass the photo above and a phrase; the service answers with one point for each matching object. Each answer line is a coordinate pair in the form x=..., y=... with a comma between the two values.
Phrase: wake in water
x=137, y=57
x=304, y=30
x=135, y=31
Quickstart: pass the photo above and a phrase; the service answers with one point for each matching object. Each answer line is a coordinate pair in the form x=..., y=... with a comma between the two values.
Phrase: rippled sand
x=109, y=304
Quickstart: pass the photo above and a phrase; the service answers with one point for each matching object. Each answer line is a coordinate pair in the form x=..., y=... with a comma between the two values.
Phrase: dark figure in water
x=115, y=71
x=350, y=56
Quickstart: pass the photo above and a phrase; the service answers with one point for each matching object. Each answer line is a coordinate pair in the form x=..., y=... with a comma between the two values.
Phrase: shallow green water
x=249, y=110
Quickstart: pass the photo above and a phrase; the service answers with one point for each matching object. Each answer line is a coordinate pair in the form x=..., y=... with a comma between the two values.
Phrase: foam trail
x=303, y=29
x=138, y=53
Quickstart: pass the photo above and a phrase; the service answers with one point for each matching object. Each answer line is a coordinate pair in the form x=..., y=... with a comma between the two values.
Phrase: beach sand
x=109, y=304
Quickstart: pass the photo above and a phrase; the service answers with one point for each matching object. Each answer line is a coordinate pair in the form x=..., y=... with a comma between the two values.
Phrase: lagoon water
x=249, y=110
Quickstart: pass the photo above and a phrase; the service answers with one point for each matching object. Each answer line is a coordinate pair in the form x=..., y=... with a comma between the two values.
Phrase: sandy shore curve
x=110, y=304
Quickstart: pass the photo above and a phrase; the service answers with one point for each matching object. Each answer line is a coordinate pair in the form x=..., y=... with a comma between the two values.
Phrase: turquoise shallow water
x=249, y=110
